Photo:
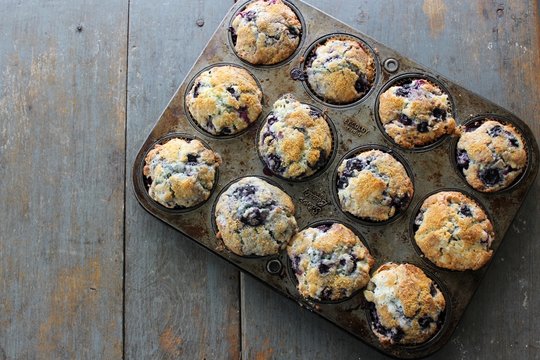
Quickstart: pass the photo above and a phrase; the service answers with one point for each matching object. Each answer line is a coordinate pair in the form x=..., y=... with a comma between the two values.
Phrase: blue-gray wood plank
x=62, y=124
x=67, y=130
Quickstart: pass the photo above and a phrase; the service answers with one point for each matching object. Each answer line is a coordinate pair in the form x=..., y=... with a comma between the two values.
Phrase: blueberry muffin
x=373, y=186
x=491, y=156
x=340, y=70
x=224, y=100
x=406, y=306
x=266, y=32
x=295, y=140
x=255, y=218
x=181, y=172
x=454, y=232
x=416, y=113
x=329, y=261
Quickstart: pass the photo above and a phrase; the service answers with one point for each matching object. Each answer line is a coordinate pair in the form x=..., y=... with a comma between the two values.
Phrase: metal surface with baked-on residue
x=432, y=169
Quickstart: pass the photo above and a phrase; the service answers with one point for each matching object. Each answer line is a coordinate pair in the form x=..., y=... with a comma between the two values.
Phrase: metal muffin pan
x=433, y=168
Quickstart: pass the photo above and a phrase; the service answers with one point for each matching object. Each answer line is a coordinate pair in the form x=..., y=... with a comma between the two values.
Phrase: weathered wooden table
x=86, y=273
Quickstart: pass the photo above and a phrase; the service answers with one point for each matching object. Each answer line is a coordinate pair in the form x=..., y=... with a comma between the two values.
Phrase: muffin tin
x=433, y=168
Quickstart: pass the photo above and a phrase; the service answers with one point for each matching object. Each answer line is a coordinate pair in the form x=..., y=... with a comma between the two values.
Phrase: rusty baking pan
x=356, y=126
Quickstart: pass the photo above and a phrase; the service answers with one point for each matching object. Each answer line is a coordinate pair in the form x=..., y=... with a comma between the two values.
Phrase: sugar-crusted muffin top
x=266, y=32
x=416, y=113
x=491, y=156
x=340, y=70
x=407, y=307
x=454, y=232
x=330, y=262
x=224, y=100
x=295, y=140
x=182, y=172
x=255, y=218
x=373, y=185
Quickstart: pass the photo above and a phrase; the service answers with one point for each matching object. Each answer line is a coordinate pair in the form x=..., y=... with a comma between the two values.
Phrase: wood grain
x=62, y=120
x=180, y=301
x=491, y=48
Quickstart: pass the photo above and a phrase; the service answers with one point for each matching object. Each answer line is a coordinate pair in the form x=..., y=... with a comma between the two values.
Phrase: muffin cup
x=445, y=316
x=300, y=74
x=356, y=151
x=475, y=123
x=196, y=125
x=216, y=230
x=321, y=170
x=302, y=35
x=400, y=80
x=413, y=227
x=145, y=182
x=292, y=275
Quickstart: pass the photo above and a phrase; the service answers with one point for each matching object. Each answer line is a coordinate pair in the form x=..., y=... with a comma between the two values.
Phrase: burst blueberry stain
x=274, y=163
x=272, y=119
x=324, y=227
x=513, y=141
x=314, y=114
x=491, y=176
x=323, y=269
x=439, y=113
x=196, y=90
x=249, y=16
x=293, y=31
x=463, y=159
x=425, y=321
x=495, y=131
x=244, y=191
x=432, y=290
x=234, y=37
x=192, y=158
x=254, y=216
x=465, y=210
x=342, y=182
x=405, y=120
x=243, y=112
x=400, y=203
x=402, y=92
x=422, y=127
x=362, y=84
x=326, y=294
